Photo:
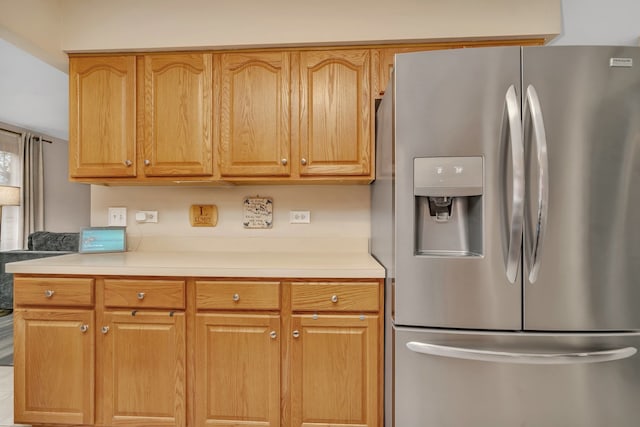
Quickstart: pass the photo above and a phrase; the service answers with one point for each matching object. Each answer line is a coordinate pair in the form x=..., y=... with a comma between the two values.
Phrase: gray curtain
x=32, y=209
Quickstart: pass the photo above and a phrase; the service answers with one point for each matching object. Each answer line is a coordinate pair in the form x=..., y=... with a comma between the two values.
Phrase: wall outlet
x=299, y=217
x=117, y=217
x=146, y=216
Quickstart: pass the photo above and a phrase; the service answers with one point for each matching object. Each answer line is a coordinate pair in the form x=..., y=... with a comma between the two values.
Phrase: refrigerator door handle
x=534, y=111
x=522, y=358
x=517, y=161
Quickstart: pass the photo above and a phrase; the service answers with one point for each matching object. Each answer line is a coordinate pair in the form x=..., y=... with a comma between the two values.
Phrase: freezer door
x=451, y=379
x=582, y=240
x=457, y=111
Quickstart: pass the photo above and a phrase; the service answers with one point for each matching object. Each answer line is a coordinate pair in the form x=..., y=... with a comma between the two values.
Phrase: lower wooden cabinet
x=238, y=370
x=144, y=368
x=225, y=353
x=54, y=366
x=335, y=371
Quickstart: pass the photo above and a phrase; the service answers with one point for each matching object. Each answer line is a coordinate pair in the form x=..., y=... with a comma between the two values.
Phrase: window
x=10, y=170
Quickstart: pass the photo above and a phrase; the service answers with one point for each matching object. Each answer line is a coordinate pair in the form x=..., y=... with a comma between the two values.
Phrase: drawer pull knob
x=236, y=297
x=303, y=161
x=147, y=162
x=284, y=162
x=334, y=299
x=84, y=328
x=105, y=329
x=49, y=293
x=140, y=295
x=296, y=334
x=128, y=162
x=273, y=335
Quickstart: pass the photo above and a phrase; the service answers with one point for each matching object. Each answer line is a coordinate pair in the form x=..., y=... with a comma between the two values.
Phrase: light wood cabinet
x=163, y=351
x=335, y=113
x=255, y=114
x=102, y=116
x=54, y=350
x=53, y=366
x=336, y=357
x=178, y=115
x=238, y=369
x=144, y=368
x=237, y=353
x=335, y=370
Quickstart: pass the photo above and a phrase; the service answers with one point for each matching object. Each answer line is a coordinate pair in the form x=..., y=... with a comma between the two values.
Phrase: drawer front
x=144, y=293
x=53, y=291
x=321, y=296
x=237, y=295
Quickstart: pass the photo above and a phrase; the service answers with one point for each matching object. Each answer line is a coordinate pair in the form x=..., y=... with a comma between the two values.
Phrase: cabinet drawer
x=53, y=291
x=144, y=293
x=324, y=296
x=237, y=295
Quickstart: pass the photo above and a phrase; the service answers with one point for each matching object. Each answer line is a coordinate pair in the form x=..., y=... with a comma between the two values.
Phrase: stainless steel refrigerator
x=506, y=211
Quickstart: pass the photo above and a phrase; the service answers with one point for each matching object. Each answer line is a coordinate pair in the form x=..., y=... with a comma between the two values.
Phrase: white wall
x=336, y=210
x=143, y=24
x=67, y=204
x=598, y=22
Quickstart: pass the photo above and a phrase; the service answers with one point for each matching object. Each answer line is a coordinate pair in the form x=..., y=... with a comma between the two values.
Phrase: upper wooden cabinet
x=335, y=103
x=178, y=115
x=102, y=116
x=255, y=114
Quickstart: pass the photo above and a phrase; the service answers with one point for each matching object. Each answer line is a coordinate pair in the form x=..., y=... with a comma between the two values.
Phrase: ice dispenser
x=448, y=198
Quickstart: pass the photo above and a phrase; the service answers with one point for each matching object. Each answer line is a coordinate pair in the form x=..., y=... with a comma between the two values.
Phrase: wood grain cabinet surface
x=255, y=114
x=205, y=351
x=178, y=115
x=335, y=103
x=102, y=116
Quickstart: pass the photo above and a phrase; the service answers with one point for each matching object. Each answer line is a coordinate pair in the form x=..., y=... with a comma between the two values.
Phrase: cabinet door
x=335, y=113
x=144, y=368
x=102, y=116
x=237, y=370
x=54, y=366
x=335, y=371
x=255, y=114
x=178, y=115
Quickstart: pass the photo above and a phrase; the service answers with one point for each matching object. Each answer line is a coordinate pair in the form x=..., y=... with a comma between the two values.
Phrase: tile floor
x=6, y=396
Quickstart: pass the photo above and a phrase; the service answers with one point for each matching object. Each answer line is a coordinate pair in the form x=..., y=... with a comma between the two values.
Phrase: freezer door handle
x=533, y=111
x=522, y=358
x=517, y=162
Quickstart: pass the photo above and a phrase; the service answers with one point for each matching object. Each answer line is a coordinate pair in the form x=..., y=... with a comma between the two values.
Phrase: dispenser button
x=458, y=169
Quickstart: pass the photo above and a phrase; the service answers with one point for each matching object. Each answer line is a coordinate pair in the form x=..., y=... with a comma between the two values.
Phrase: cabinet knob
x=334, y=299
x=49, y=293
x=296, y=334
x=236, y=297
x=128, y=162
x=105, y=329
x=140, y=295
x=303, y=161
x=273, y=335
x=284, y=162
x=84, y=328
x=147, y=162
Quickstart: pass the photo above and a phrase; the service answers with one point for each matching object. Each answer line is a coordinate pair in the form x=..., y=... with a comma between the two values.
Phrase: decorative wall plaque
x=257, y=212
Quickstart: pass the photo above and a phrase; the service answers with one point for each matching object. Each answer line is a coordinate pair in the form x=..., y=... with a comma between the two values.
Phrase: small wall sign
x=203, y=215
x=257, y=212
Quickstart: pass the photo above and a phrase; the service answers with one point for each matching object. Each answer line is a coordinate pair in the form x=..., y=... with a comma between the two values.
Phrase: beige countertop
x=282, y=264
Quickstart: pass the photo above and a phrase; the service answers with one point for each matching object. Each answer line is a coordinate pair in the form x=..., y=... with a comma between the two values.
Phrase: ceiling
x=33, y=94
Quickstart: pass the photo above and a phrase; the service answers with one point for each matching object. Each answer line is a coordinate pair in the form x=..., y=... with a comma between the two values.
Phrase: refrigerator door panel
x=582, y=250
x=520, y=379
x=458, y=269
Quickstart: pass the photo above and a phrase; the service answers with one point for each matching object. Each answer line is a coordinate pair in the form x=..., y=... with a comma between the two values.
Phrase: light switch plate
x=117, y=217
